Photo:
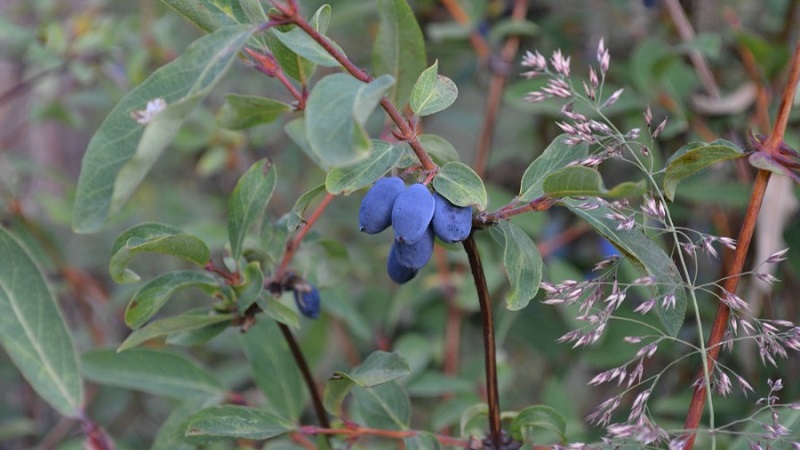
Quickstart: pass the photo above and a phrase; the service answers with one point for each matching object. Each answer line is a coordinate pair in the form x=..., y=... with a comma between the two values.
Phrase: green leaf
x=538, y=417
x=296, y=130
x=511, y=27
x=576, y=181
x=244, y=111
x=438, y=148
x=694, y=157
x=33, y=332
x=274, y=369
x=156, y=238
x=248, y=201
x=385, y=407
x=331, y=262
x=763, y=161
x=557, y=155
x=432, y=92
x=151, y=297
x=122, y=151
x=399, y=48
x=646, y=256
x=347, y=179
x=172, y=325
x=460, y=184
x=251, y=287
x=471, y=413
x=336, y=111
x=299, y=42
x=155, y=372
x=522, y=261
x=230, y=422
x=380, y=367
x=279, y=312
x=297, y=214
x=203, y=13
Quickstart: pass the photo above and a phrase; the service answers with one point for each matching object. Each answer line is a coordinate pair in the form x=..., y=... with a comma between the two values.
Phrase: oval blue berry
x=375, y=214
x=416, y=255
x=412, y=213
x=451, y=223
x=308, y=302
x=397, y=272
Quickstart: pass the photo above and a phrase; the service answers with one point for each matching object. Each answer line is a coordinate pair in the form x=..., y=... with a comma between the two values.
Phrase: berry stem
x=485, y=300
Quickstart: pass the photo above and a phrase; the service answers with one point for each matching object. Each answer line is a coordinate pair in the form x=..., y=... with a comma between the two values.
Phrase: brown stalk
x=297, y=353
x=730, y=282
x=475, y=38
x=485, y=300
x=687, y=34
x=496, y=86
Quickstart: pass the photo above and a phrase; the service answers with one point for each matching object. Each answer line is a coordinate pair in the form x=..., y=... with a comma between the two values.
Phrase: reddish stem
x=475, y=37
x=730, y=282
x=294, y=243
x=407, y=132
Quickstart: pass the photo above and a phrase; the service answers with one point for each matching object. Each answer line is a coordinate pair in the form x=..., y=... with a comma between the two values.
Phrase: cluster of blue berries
x=417, y=216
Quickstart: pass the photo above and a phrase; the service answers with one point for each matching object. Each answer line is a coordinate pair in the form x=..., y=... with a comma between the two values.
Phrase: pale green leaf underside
x=522, y=261
x=379, y=368
x=172, y=325
x=244, y=111
x=386, y=406
x=203, y=13
x=122, y=151
x=695, y=157
x=33, y=332
x=248, y=201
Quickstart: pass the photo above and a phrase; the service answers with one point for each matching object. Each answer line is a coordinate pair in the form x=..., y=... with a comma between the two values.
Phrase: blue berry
x=451, y=223
x=412, y=213
x=416, y=255
x=375, y=214
x=397, y=272
x=308, y=302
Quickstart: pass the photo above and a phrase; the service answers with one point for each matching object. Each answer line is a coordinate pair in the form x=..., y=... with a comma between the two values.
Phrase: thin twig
x=407, y=132
x=731, y=279
x=294, y=243
x=496, y=86
x=297, y=353
x=686, y=33
x=485, y=300
x=475, y=37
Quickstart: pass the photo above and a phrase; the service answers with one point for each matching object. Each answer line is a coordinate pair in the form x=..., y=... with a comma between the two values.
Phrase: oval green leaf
x=172, y=325
x=432, y=92
x=33, y=332
x=346, y=179
x=694, y=157
x=299, y=42
x=556, y=156
x=151, y=297
x=234, y=422
x=385, y=407
x=297, y=214
x=203, y=13
x=576, y=181
x=155, y=372
x=522, y=261
x=380, y=367
x=155, y=238
x=251, y=287
x=460, y=184
x=439, y=148
x=123, y=150
x=248, y=201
